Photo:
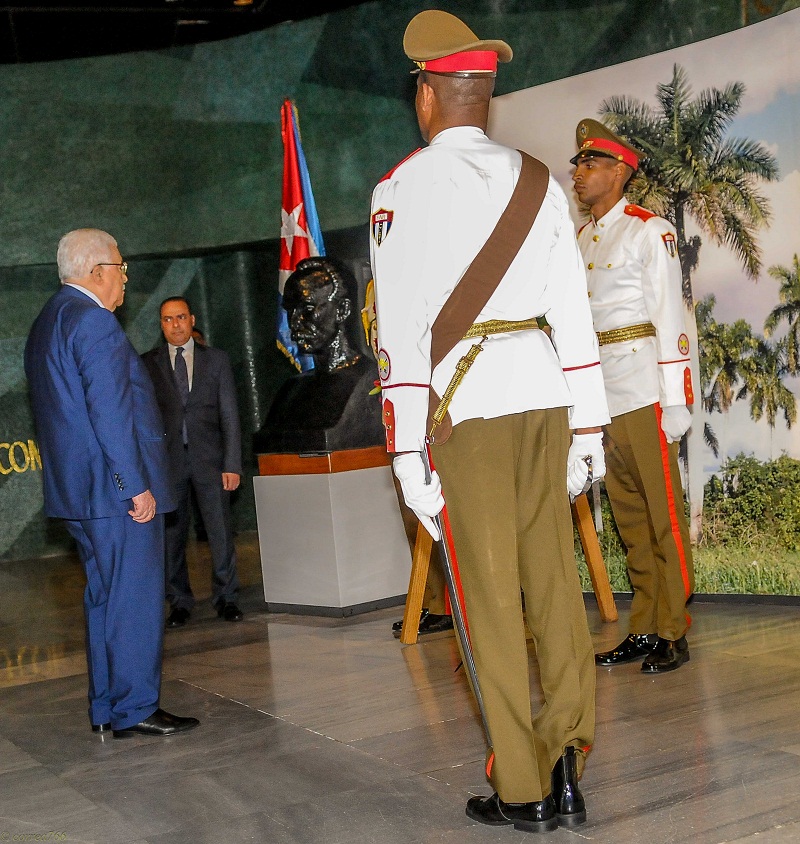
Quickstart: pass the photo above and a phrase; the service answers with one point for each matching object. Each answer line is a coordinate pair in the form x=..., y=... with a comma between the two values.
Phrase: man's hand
x=583, y=446
x=425, y=499
x=676, y=419
x=144, y=507
x=230, y=481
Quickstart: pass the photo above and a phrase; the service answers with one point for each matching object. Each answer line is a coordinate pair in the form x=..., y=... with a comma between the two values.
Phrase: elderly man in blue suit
x=105, y=473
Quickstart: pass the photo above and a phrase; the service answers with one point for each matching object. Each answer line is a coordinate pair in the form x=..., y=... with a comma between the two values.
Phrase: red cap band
x=617, y=150
x=470, y=61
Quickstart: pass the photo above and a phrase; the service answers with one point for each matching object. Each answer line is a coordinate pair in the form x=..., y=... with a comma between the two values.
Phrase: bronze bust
x=329, y=408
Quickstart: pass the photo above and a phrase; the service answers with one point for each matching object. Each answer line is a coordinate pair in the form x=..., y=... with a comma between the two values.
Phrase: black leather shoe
x=397, y=627
x=570, y=806
x=229, y=611
x=631, y=647
x=178, y=617
x=160, y=723
x=539, y=816
x=435, y=624
x=667, y=656
x=101, y=728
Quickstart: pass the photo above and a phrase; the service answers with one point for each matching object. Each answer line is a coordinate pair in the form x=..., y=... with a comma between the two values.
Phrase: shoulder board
x=391, y=172
x=637, y=211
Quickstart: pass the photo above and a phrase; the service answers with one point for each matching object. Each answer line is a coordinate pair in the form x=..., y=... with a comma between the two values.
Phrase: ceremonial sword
x=459, y=620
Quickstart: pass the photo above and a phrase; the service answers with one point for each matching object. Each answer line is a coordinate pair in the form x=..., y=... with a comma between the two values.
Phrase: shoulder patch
x=637, y=211
x=399, y=164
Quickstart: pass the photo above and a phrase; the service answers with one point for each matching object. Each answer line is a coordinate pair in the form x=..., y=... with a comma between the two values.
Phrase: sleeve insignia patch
x=683, y=344
x=669, y=243
x=381, y=223
x=384, y=364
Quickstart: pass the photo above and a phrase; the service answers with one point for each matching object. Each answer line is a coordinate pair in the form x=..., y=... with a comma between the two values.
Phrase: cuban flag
x=301, y=235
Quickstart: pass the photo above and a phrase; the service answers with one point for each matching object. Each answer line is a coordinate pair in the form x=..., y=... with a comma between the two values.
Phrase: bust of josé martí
x=329, y=408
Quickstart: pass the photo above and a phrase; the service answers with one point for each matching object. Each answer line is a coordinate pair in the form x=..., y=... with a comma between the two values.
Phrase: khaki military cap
x=441, y=43
x=593, y=138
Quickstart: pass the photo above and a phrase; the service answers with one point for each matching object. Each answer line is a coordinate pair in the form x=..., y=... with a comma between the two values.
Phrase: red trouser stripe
x=673, y=515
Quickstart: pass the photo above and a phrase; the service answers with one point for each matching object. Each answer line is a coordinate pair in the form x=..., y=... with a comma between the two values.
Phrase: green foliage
x=751, y=503
x=751, y=542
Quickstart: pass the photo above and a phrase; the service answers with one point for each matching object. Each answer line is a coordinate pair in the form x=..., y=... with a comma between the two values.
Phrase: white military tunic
x=634, y=277
x=430, y=217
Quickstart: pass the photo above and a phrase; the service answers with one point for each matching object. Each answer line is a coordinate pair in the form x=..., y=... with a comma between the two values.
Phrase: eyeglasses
x=123, y=267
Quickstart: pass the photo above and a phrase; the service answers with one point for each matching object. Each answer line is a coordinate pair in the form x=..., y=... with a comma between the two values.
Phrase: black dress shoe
x=397, y=627
x=229, y=611
x=539, y=816
x=632, y=647
x=667, y=656
x=101, y=728
x=433, y=623
x=178, y=617
x=160, y=723
x=570, y=806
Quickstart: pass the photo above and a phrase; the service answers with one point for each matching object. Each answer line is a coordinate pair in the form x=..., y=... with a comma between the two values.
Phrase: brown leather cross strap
x=486, y=271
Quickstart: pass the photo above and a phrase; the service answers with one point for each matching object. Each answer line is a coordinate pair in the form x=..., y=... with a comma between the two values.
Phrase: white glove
x=425, y=499
x=676, y=419
x=583, y=446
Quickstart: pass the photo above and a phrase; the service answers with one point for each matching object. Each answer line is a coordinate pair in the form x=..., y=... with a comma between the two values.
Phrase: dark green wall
x=178, y=153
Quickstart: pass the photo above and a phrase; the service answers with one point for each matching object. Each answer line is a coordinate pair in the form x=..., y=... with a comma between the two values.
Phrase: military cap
x=595, y=139
x=439, y=42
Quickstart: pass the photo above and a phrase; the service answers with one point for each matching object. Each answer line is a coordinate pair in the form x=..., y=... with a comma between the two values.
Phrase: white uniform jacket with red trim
x=634, y=276
x=430, y=217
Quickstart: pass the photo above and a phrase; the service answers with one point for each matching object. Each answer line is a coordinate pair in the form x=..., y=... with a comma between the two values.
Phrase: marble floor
x=329, y=730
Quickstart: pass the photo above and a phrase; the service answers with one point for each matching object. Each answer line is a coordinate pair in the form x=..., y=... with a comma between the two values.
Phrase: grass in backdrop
x=751, y=532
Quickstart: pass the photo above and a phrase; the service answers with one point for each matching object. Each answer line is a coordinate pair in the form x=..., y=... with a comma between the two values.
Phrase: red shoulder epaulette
x=391, y=172
x=637, y=211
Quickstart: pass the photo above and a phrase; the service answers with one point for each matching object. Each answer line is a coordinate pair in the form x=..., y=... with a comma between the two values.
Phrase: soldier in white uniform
x=634, y=277
x=503, y=469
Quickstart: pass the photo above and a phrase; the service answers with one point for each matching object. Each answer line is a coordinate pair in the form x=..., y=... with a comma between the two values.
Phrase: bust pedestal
x=331, y=534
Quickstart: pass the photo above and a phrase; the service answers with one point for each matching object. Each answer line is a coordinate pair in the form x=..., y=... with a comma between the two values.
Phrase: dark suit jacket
x=100, y=432
x=212, y=415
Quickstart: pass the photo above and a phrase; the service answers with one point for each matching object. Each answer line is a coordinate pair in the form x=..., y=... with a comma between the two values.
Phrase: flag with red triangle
x=301, y=235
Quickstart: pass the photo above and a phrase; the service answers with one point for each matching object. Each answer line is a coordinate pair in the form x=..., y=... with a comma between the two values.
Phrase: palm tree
x=763, y=373
x=788, y=308
x=693, y=169
x=727, y=350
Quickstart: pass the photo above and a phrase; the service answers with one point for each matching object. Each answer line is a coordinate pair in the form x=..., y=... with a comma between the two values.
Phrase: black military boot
x=570, y=806
x=538, y=816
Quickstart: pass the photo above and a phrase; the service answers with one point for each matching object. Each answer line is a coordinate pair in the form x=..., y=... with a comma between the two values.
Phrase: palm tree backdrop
x=692, y=169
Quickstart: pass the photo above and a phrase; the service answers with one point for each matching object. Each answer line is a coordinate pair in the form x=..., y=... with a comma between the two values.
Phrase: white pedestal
x=331, y=544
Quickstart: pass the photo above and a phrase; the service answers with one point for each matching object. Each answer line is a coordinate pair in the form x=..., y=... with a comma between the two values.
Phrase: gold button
x=633, y=349
x=596, y=238
x=591, y=266
x=609, y=266
x=590, y=294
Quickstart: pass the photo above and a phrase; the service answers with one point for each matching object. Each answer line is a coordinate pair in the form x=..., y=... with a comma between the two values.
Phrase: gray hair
x=79, y=251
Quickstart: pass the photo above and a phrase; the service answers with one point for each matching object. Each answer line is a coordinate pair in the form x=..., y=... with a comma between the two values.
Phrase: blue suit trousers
x=123, y=601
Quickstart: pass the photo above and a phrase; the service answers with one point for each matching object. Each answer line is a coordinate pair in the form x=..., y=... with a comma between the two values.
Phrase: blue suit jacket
x=100, y=431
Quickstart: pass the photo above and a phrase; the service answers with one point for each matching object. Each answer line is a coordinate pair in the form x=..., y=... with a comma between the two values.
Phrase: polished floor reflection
x=329, y=730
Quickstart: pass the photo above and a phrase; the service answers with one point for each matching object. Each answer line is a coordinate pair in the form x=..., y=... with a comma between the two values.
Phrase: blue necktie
x=182, y=380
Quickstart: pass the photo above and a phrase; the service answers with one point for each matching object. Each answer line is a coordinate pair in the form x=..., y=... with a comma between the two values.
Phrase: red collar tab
x=470, y=61
x=616, y=150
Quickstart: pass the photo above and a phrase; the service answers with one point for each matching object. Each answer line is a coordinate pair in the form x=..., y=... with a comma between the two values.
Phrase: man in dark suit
x=104, y=465
x=196, y=393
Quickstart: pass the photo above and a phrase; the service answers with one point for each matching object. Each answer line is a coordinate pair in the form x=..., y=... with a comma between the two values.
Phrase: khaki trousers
x=504, y=481
x=644, y=488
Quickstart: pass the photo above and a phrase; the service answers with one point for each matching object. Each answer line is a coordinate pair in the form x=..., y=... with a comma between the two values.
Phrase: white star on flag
x=290, y=228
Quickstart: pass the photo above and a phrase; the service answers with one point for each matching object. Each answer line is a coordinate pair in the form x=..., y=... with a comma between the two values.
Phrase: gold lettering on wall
x=19, y=457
